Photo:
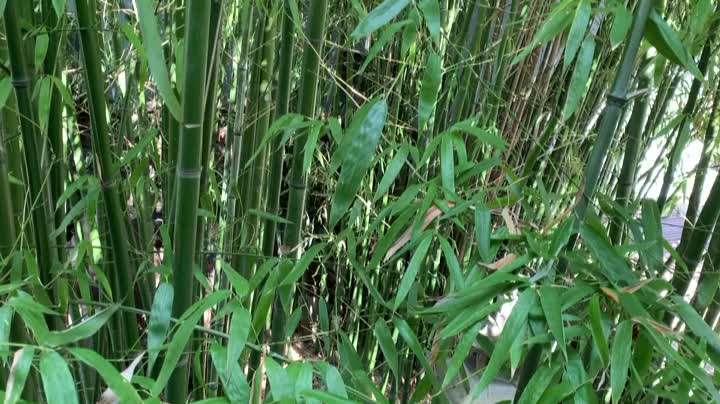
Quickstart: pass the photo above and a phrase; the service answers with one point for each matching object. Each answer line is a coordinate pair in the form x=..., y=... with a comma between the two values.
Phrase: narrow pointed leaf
x=159, y=323
x=57, y=380
x=412, y=270
x=620, y=359
x=577, y=31
x=378, y=17
x=430, y=87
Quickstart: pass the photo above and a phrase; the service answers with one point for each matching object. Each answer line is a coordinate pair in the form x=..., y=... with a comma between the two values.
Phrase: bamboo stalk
x=104, y=166
x=189, y=170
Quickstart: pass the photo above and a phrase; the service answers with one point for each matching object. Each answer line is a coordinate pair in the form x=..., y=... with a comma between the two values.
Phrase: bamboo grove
x=233, y=201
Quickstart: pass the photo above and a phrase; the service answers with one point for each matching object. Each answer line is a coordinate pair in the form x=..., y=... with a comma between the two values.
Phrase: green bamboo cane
x=54, y=123
x=282, y=104
x=702, y=167
x=688, y=113
x=118, y=240
x=306, y=106
x=189, y=169
x=616, y=100
x=235, y=161
x=626, y=179
x=22, y=82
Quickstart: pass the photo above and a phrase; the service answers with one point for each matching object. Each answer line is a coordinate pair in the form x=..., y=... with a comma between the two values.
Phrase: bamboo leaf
x=668, y=43
x=59, y=6
x=516, y=323
x=57, y=380
x=596, y=328
x=447, y=164
x=616, y=269
x=430, y=88
x=85, y=329
x=235, y=385
x=580, y=76
x=413, y=343
x=302, y=264
x=363, y=137
x=159, y=322
x=461, y=352
x=468, y=317
x=5, y=90
x=42, y=40
x=621, y=25
x=620, y=359
x=387, y=345
x=324, y=397
x=391, y=172
x=268, y=216
x=412, y=270
x=6, y=314
x=120, y=386
x=431, y=14
x=240, y=325
x=538, y=384
x=279, y=381
x=695, y=322
x=380, y=43
x=483, y=135
x=483, y=230
x=378, y=17
x=180, y=339
x=551, y=305
x=558, y=20
x=18, y=374
x=335, y=383
x=152, y=44
x=310, y=145
x=452, y=263
x=577, y=31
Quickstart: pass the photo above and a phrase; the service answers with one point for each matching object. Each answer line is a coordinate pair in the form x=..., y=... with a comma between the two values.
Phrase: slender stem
x=189, y=169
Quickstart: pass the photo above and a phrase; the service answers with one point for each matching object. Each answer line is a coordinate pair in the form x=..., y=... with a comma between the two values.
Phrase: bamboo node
x=189, y=172
x=616, y=100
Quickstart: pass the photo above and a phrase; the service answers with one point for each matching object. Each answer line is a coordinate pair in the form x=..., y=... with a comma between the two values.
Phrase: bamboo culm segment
x=189, y=169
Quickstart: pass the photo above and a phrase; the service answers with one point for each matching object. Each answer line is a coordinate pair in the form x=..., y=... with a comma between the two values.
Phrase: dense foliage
x=337, y=201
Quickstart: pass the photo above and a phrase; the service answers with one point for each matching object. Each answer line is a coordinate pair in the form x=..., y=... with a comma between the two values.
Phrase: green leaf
x=387, y=345
x=461, y=352
x=447, y=164
x=695, y=322
x=552, y=307
x=310, y=145
x=42, y=40
x=516, y=323
x=5, y=90
x=363, y=136
x=380, y=43
x=668, y=43
x=577, y=31
x=57, y=380
x=279, y=381
x=485, y=136
x=335, y=383
x=6, y=313
x=115, y=381
x=18, y=374
x=539, y=382
x=83, y=330
x=413, y=343
x=614, y=266
x=324, y=397
x=580, y=76
x=483, y=231
x=431, y=13
x=620, y=359
x=181, y=337
x=378, y=17
x=2, y=6
x=596, y=328
x=240, y=325
x=231, y=375
x=59, y=6
x=412, y=270
x=63, y=90
x=302, y=264
x=430, y=88
x=391, y=172
x=468, y=317
x=452, y=262
x=621, y=25
x=152, y=43
x=558, y=20
x=268, y=216
x=238, y=282
x=159, y=323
